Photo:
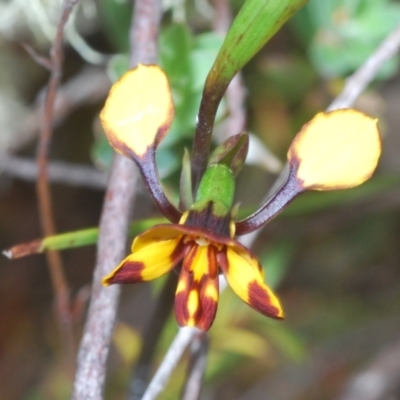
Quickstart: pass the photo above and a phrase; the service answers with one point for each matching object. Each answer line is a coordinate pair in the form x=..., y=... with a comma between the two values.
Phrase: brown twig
x=59, y=283
x=91, y=363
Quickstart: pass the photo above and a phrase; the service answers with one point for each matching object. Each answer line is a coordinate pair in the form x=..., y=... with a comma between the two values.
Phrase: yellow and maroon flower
x=203, y=255
x=335, y=150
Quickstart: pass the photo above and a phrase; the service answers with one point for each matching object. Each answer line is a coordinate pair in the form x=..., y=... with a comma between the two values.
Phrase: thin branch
x=173, y=355
x=89, y=86
x=144, y=32
x=359, y=81
x=93, y=351
x=39, y=59
x=114, y=222
x=355, y=85
x=197, y=367
x=59, y=283
x=60, y=172
x=169, y=363
x=161, y=314
x=378, y=381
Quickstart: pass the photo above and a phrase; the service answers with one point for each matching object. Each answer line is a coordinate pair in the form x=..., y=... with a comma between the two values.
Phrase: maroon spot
x=181, y=299
x=222, y=261
x=261, y=302
x=206, y=314
x=207, y=308
x=130, y=272
x=190, y=253
x=212, y=262
x=179, y=252
x=181, y=310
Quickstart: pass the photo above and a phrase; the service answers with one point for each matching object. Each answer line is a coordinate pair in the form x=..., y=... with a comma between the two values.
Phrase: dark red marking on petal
x=207, y=306
x=212, y=262
x=260, y=301
x=179, y=252
x=189, y=256
x=181, y=299
x=222, y=261
x=130, y=272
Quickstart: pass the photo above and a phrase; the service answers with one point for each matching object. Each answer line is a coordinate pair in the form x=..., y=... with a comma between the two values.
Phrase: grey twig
x=60, y=172
x=197, y=367
x=378, y=381
x=93, y=351
x=159, y=318
x=169, y=363
x=91, y=364
x=173, y=355
x=359, y=81
x=89, y=86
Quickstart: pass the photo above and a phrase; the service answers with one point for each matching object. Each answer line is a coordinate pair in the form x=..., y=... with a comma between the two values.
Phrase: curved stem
x=288, y=191
x=212, y=95
x=148, y=169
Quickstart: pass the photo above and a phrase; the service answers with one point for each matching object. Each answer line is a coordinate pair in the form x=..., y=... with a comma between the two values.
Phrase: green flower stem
x=69, y=240
x=89, y=236
x=256, y=23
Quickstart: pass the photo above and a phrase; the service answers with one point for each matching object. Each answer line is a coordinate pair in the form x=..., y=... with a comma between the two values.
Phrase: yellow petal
x=138, y=111
x=157, y=233
x=336, y=150
x=154, y=259
x=244, y=275
x=196, y=296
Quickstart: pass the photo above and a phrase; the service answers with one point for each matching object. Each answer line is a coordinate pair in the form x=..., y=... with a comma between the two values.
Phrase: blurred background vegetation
x=332, y=257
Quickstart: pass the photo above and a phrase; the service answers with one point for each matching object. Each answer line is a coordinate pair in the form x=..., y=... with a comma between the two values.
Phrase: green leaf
x=69, y=240
x=285, y=339
x=115, y=18
x=186, y=59
x=85, y=237
x=275, y=261
x=255, y=24
x=341, y=34
x=117, y=66
x=101, y=152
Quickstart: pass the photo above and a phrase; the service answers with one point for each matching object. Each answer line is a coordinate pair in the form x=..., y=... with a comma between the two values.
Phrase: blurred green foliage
x=341, y=34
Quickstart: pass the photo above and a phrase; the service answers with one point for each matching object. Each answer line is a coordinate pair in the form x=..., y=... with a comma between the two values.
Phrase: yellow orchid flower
x=202, y=254
x=335, y=150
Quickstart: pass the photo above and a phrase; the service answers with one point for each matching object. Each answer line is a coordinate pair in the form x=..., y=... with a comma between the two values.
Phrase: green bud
x=217, y=186
x=232, y=152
